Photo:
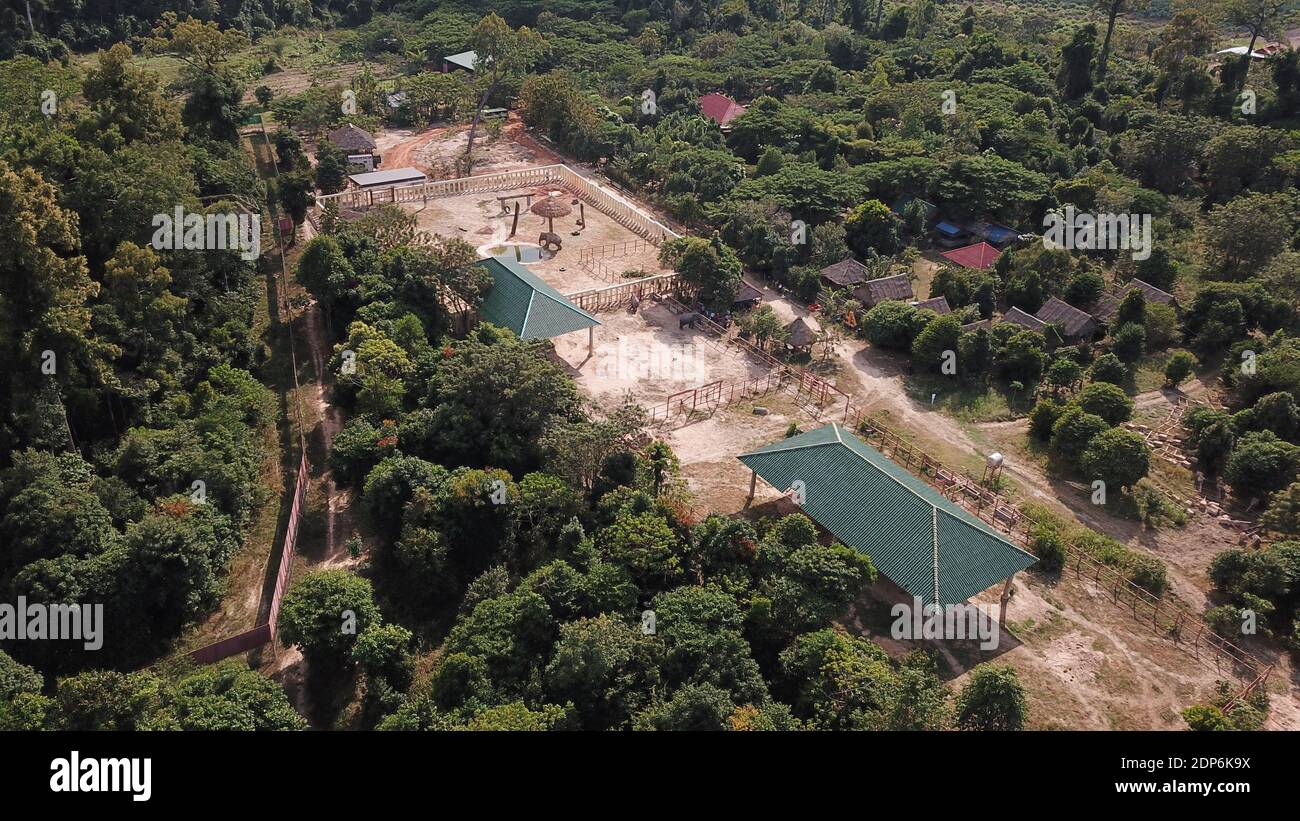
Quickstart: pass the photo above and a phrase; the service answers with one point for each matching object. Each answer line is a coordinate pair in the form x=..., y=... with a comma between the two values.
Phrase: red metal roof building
x=980, y=255
x=720, y=108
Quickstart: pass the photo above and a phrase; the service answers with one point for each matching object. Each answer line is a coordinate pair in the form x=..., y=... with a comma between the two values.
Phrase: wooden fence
x=603, y=199
x=620, y=295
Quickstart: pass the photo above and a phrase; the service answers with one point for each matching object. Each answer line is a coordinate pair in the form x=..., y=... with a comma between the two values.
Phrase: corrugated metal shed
x=524, y=303
x=393, y=176
x=873, y=505
x=980, y=255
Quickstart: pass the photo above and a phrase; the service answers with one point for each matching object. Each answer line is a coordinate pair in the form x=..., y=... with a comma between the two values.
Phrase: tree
x=709, y=266
x=295, y=191
x=1256, y=16
x=1178, y=368
x=1075, y=75
x=695, y=707
x=603, y=667
x=205, y=49
x=993, y=699
x=1243, y=234
x=1063, y=373
x=1107, y=401
x=324, y=612
x=1108, y=368
x=1132, y=308
x=47, y=287
x=894, y=324
x=1283, y=514
x=1074, y=432
x=1112, y=9
x=764, y=325
x=493, y=398
x=1261, y=464
x=1129, y=342
x=872, y=227
x=331, y=167
x=1117, y=457
x=227, y=697
x=384, y=653
x=940, y=336
x=500, y=53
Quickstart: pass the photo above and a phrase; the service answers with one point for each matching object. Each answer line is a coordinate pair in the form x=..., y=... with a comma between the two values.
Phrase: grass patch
x=961, y=400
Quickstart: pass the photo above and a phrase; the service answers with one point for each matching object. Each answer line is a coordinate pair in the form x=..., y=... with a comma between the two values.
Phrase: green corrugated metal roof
x=873, y=505
x=524, y=303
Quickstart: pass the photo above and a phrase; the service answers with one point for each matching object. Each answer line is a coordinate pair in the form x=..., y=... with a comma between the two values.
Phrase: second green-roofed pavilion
x=920, y=540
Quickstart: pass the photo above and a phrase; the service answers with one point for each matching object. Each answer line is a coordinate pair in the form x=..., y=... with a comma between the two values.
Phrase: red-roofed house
x=720, y=108
x=980, y=255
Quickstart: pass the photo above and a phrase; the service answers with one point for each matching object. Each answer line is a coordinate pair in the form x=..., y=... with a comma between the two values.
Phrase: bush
x=1149, y=573
x=1178, y=368
x=1106, y=400
x=1074, y=431
x=993, y=699
x=1043, y=417
x=1108, y=368
x=1048, y=546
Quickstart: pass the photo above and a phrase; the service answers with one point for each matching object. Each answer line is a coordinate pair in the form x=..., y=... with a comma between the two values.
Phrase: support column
x=591, y=340
x=1006, y=597
x=753, y=483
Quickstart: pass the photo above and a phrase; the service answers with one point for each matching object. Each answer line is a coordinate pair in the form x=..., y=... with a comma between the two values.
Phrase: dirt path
x=404, y=154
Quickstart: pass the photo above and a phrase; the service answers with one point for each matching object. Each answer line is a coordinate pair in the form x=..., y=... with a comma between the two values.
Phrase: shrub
x=1074, y=431
x=1149, y=573
x=1178, y=368
x=1043, y=417
x=1106, y=400
x=1108, y=368
x=1048, y=546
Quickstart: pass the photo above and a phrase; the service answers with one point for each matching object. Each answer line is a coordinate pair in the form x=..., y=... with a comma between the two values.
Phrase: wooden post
x=1006, y=597
x=591, y=340
x=753, y=483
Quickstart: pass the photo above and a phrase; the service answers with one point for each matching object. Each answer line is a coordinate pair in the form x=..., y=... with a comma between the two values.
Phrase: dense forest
x=140, y=407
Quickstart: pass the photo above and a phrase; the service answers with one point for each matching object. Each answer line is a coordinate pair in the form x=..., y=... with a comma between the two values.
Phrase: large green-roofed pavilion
x=924, y=543
x=523, y=302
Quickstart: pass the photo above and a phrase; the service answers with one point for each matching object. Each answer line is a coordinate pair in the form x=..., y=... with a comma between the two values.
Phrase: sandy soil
x=648, y=355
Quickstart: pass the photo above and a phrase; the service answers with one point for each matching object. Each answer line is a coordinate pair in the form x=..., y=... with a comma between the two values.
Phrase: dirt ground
x=648, y=355
x=479, y=220
x=1085, y=662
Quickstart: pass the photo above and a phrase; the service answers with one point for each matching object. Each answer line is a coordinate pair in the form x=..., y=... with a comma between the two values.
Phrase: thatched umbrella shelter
x=551, y=207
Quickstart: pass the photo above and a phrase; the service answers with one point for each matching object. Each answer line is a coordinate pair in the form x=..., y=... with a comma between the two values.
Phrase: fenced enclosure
x=609, y=203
